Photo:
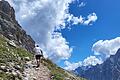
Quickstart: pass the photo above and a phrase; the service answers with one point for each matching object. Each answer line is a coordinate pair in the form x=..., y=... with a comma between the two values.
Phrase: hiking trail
x=33, y=73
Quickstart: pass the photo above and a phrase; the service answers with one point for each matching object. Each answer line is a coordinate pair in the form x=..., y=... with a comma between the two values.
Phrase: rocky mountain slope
x=109, y=70
x=10, y=28
x=16, y=52
x=17, y=63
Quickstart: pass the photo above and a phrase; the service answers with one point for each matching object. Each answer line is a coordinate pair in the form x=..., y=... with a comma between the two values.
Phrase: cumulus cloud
x=89, y=61
x=58, y=45
x=102, y=49
x=81, y=20
x=105, y=48
x=91, y=18
x=92, y=60
x=72, y=66
x=41, y=18
x=74, y=20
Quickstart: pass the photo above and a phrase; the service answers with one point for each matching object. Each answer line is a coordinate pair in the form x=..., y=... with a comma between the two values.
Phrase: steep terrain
x=10, y=28
x=12, y=60
x=18, y=64
x=16, y=53
x=32, y=73
x=109, y=70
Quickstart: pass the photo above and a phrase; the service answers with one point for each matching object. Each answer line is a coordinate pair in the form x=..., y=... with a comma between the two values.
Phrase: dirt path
x=33, y=73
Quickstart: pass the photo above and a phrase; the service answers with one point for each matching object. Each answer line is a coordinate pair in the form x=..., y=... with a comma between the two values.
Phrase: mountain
x=16, y=52
x=109, y=70
x=10, y=28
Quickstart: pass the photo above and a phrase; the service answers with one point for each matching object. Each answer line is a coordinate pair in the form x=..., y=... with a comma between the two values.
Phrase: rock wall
x=10, y=28
x=7, y=9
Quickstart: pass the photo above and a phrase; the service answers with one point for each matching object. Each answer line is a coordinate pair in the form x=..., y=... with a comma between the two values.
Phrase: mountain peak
x=6, y=9
x=11, y=29
x=108, y=70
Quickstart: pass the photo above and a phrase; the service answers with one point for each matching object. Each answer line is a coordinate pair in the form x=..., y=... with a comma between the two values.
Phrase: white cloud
x=92, y=60
x=89, y=61
x=82, y=4
x=72, y=66
x=40, y=18
x=75, y=20
x=81, y=20
x=58, y=45
x=105, y=48
x=91, y=18
x=102, y=48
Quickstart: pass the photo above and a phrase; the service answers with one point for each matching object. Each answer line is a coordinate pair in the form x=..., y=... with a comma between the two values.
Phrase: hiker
x=38, y=54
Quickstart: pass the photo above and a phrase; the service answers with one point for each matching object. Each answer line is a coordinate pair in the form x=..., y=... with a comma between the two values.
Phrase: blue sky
x=83, y=37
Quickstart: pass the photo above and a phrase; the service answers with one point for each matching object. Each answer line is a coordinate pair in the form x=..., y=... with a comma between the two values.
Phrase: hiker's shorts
x=38, y=56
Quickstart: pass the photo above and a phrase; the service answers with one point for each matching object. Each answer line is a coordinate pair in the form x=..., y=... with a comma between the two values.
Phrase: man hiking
x=38, y=55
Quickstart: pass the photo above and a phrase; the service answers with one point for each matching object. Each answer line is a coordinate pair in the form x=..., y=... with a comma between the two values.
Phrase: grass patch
x=5, y=76
x=10, y=54
x=57, y=72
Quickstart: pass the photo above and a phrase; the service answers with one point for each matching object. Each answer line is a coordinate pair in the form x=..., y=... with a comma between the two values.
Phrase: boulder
x=3, y=68
x=27, y=59
x=14, y=73
x=11, y=43
x=17, y=67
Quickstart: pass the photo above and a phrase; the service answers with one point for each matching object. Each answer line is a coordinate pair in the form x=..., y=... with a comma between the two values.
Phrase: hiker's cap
x=36, y=45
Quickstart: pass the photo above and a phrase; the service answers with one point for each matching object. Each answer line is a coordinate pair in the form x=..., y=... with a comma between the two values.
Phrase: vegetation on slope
x=12, y=60
x=59, y=73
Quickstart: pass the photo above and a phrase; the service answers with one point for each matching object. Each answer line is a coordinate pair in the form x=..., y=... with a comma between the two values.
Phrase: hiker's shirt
x=38, y=51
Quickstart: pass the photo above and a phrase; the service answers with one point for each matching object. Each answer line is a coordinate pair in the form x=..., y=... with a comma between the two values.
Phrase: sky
x=72, y=33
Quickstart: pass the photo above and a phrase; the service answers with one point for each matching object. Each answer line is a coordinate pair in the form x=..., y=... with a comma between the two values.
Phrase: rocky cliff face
x=10, y=28
x=7, y=9
x=109, y=70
